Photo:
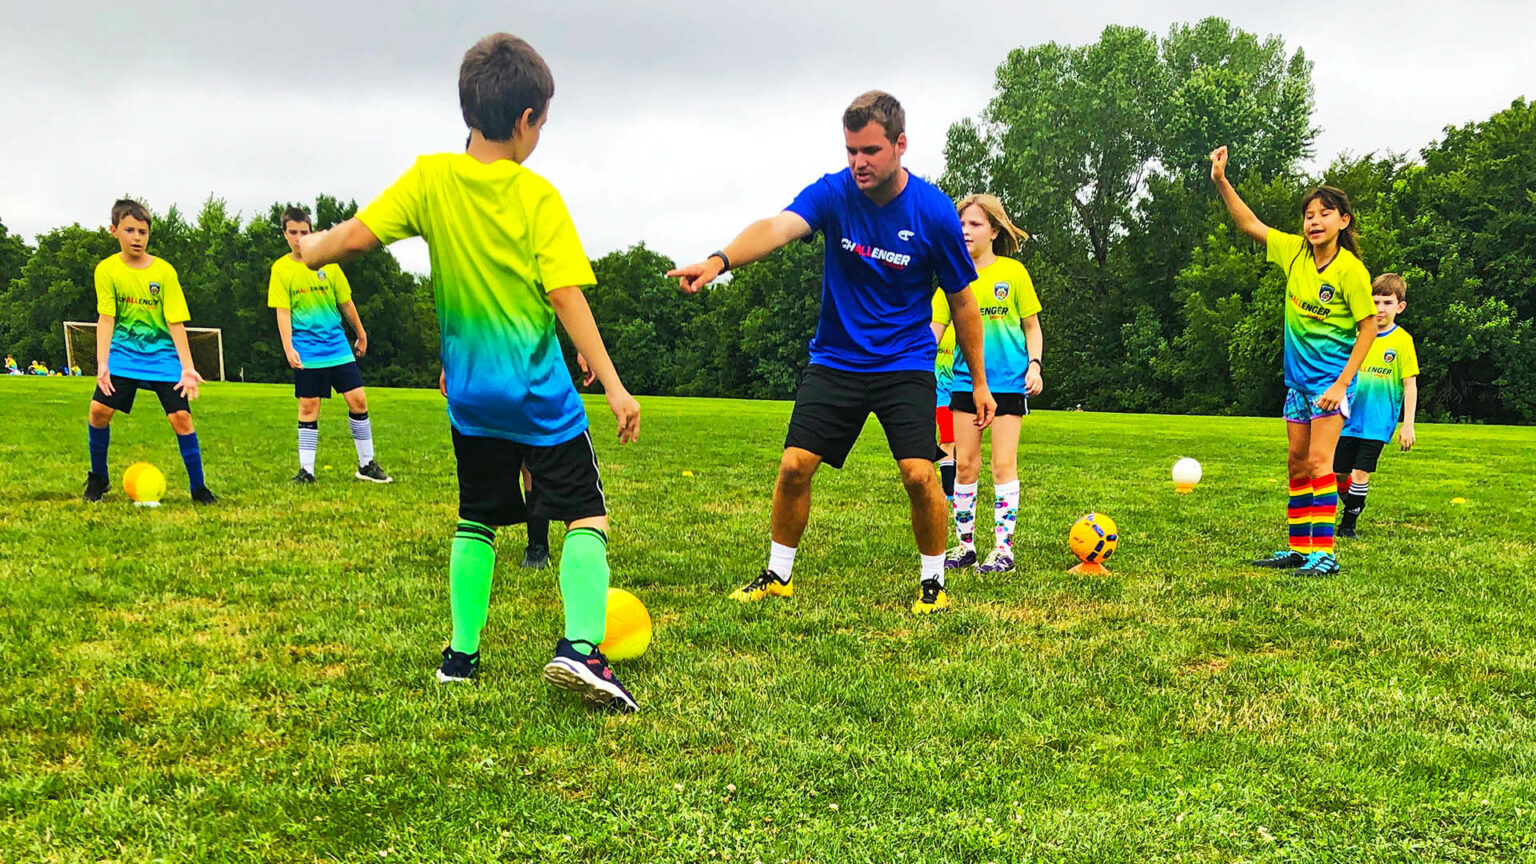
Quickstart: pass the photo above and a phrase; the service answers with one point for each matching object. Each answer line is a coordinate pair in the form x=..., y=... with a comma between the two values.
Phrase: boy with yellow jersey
x=1386, y=388
x=141, y=340
x=506, y=262
x=310, y=305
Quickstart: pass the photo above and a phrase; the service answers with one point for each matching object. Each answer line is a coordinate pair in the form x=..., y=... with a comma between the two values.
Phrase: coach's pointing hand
x=695, y=276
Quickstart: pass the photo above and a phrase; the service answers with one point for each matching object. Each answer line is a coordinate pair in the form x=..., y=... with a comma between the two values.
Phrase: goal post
x=206, y=344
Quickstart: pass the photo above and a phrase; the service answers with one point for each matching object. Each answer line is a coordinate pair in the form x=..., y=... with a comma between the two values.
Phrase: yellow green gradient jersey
x=1006, y=296
x=145, y=303
x=499, y=239
x=1378, y=400
x=313, y=298
x=1322, y=309
x=944, y=361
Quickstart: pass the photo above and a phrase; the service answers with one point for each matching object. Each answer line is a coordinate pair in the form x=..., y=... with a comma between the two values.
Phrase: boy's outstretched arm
x=1246, y=222
x=1406, y=436
x=336, y=245
x=576, y=316
x=755, y=241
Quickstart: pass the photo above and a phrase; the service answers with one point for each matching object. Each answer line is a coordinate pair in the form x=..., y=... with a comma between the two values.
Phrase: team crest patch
x=1389, y=355
x=1000, y=290
x=320, y=274
x=1325, y=293
x=154, y=288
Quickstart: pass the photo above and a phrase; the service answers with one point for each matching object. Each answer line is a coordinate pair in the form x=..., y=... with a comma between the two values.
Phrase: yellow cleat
x=933, y=599
x=767, y=585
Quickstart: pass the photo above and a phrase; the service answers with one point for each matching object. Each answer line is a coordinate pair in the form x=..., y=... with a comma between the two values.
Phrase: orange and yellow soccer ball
x=144, y=483
x=1094, y=538
x=628, y=630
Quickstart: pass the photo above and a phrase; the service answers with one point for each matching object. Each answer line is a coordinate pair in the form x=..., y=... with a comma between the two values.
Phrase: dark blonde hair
x=295, y=214
x=1390, y=284
x=129, y=207
x=1009, y=236
x=876, y=106
x=502, y=77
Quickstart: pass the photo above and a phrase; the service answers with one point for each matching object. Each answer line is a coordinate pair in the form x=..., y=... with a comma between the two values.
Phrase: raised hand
x=1219, y=164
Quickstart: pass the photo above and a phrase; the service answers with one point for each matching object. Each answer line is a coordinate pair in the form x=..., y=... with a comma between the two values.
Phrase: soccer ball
x=1094, y=538
x=627, y=632
x=1186, y=473
x=144, y=484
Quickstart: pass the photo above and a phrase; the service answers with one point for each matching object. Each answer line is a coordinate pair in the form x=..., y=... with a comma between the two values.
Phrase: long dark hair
x=1334, y=199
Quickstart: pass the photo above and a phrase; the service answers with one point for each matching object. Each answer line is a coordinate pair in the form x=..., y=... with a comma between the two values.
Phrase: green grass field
x=252, y=682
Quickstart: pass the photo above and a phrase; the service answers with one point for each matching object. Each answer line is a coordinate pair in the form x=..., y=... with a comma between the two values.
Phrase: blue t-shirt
x=880, y=269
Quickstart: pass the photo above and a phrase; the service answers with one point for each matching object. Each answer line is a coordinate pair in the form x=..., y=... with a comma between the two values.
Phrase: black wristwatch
x=1036, y=361
x=723, y=260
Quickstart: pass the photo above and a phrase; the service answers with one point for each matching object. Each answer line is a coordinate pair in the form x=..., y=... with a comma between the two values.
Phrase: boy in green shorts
x=506, y=262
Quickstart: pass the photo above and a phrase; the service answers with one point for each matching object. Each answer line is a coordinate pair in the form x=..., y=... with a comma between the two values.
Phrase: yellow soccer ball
x=628, y=628
x=144, y=483
x=1094, y=538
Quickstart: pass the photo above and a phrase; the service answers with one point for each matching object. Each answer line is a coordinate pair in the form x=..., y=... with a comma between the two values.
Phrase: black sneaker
x=458, y=667
x=201, y=495
x=96, y=486
x=373, y=473
x=588, y=676
x=303, y=478
x=1282, y=560
x=1346, y=529
x=536, y=556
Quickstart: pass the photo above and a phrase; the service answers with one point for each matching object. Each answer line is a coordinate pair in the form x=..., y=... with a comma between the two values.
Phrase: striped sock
x=1299, y=514
x=1357, y=493
x=1325, y=507
x=309, y=442
x=362, y=437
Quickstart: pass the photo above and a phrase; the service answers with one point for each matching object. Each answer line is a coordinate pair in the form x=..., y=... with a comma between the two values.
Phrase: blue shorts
x=1301, y=407
x=312, y=383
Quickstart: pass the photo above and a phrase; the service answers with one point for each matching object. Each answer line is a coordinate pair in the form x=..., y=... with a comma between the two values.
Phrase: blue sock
x=192, y=455
x=99, y=439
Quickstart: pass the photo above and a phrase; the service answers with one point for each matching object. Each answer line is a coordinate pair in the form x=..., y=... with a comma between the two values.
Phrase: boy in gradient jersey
x=141, y=343
x=309, y=306
x=506, y=262
x=1386, y=388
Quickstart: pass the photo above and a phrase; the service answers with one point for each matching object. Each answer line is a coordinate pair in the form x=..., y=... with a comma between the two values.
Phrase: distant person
x=310, y=305
x=1387, y=388
x=141, y=338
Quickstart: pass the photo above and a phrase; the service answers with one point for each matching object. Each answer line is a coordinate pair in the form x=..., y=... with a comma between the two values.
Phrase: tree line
x=1152, y=301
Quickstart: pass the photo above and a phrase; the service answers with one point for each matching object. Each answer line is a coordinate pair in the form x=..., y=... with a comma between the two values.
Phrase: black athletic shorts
x=310, y=383
x=566, y=485
x=1008, y=404
x=1356, y=454
x=832, y=405
x=124, y=389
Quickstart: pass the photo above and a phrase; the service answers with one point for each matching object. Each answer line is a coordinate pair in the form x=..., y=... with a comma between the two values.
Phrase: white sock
x=965, y=514
x=309, y=442
x=1005, y=513
x=362, y=437
x=781, y=560
x=932, y=567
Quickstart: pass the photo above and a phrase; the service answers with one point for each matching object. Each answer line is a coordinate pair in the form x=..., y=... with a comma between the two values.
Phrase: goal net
x=207, y=344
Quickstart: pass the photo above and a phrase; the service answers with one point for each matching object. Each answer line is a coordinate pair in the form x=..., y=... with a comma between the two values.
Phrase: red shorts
x=946, y=422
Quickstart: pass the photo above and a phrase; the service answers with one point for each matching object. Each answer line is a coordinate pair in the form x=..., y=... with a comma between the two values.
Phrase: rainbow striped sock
x=1325, y=506
x=1299, y=514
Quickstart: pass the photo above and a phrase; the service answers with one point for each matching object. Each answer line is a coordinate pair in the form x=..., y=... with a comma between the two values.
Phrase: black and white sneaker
x=96, y=486
x=303, y=478
x=588, y=676
x=373, y=473
x=202, y=495
x=536, y=556
x=458, y=667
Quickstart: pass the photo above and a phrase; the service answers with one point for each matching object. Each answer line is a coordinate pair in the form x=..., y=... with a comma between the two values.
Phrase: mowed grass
x=252, y=682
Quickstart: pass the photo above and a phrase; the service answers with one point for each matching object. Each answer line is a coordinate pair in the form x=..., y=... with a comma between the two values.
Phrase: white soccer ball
x=1186, y=472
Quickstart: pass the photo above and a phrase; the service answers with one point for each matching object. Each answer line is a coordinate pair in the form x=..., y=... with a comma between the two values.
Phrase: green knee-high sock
x=584, y=585
x=469, y=582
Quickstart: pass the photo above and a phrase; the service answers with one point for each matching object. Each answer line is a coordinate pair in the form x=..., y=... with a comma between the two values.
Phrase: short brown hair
x=295, y=214
x=1390, y=284
x=876, y=106
x=500, y=78
x=129, y=207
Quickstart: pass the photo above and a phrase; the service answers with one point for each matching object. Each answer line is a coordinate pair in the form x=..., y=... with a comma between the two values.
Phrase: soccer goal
x=207, y=344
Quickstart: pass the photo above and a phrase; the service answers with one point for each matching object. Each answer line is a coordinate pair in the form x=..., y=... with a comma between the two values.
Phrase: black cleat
x=373, y=473
x=1282, y=560
x=1346, y=529
x=96, y=486
x=202, y=495
x=536, y=557
x=303, y=478
x=458, y=667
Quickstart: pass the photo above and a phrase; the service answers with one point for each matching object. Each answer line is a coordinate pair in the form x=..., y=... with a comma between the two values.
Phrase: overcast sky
x=675, y=123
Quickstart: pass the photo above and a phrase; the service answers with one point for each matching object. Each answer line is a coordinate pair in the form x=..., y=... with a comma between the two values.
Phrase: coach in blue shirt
x=890, y=237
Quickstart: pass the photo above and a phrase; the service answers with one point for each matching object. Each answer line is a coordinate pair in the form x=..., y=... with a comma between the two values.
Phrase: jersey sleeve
x=1282, y=248
x=106, y=298
x=1028, y=302
x=1407, y=360
x=813, y=203
x=341, y=286
x=941, y=314
x=952, y=265
x=557, y=248
x=396, y=213
x=1357, y=293
x=174, y=302
x=277, y=290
